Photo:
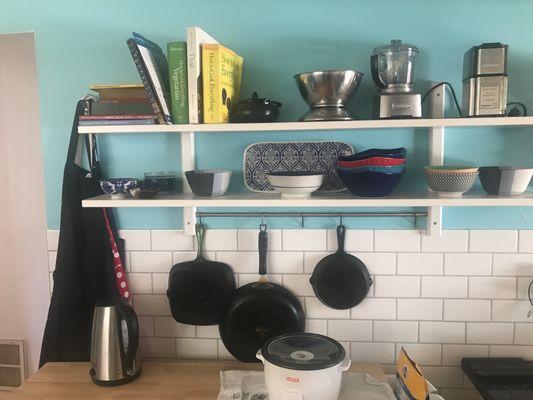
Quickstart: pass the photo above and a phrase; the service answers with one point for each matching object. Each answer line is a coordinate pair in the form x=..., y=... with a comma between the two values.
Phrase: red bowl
x=374, y=161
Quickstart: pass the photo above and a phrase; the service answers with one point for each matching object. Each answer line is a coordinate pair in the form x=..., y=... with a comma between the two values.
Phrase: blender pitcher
x=393, y=66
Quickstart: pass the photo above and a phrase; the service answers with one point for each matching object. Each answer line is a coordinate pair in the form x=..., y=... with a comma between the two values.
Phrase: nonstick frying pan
x=200, y=290
x=341, y=280
x=259, y=311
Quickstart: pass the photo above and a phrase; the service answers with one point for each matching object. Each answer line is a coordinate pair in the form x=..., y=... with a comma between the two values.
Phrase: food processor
x=393, y=71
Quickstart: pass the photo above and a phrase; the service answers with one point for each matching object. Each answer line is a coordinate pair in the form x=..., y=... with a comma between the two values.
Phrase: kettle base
x=117, y=382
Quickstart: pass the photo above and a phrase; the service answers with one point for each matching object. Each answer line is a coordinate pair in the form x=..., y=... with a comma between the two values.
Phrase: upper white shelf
x=317, y=200
x=312, y=126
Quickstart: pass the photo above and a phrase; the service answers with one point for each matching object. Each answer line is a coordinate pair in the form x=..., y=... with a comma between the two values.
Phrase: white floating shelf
x=319, y=200
x=311, y=126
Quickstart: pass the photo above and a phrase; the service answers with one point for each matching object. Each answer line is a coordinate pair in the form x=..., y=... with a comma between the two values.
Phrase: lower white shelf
x=424, y=199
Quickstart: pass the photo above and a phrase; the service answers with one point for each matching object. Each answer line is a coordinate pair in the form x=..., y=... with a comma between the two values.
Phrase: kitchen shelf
x=329, y=200
x=311, y=126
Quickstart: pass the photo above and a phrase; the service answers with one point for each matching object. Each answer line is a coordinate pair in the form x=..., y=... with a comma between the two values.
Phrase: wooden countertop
x=180, y=380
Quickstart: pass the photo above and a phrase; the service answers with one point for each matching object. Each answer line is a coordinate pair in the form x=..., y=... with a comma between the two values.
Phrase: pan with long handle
x=341, y=280
x=259, y=311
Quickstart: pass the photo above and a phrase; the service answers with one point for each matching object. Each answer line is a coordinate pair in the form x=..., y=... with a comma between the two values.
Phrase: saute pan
x=200, y=290
x=341, y=280
x=259, y=311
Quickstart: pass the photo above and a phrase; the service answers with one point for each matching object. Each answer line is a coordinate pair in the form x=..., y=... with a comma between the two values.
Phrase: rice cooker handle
x=291, y=395
x=259, y=356
x=345, y=364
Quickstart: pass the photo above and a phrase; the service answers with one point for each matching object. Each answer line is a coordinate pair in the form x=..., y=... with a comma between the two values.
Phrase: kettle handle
x=375, y=73
x=127, y=314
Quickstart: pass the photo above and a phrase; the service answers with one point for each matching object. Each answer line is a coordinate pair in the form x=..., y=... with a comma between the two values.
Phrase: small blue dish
x=392, y=169
x=399, y=152
x=118, y=187
x=369, y=184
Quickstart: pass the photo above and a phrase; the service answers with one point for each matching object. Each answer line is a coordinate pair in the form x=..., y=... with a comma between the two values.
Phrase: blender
x=393, y=68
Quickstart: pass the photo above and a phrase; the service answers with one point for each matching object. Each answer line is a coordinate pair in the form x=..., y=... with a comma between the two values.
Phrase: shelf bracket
x=188, y=163
x=436, y=154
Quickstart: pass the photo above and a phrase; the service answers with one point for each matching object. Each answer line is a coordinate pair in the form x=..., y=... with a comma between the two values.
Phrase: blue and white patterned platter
x=260, y=159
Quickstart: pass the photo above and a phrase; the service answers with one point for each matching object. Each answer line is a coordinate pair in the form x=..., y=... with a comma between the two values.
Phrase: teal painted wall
x=79, y=43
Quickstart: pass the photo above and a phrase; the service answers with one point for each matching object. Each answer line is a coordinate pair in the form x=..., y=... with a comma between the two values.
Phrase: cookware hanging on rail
x=341, y=280
x=259, y=311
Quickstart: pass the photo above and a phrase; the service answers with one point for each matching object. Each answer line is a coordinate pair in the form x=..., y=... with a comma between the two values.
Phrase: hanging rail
x=210, y=214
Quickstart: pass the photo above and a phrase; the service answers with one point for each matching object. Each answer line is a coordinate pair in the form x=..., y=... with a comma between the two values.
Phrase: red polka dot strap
x=120, y=273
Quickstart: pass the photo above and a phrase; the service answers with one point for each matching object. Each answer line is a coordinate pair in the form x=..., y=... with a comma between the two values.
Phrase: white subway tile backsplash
x=146, y=326
x=395, y=331
x=159, y=283
x=315, y=309
x=223, y=353
x=524, y=334
x=220, y=239
x=420, y=263
x=492, y=288
x=52, y=238
x=149, y=304
x=156, y=348
x=350, y=330
x=247, y=239
x=140, y=283
x=512, y=264
x=52, y=258
x=151, y=261
x=467, y=310
x=523, y=287
x=135, y=240
x=355, y=240
x=449, y=241
x=510, y=310
x=378, y=263
x=442, y=332
x=396, y=286
x=184, y=256
x=444, y=286
x=382, y=353
x=375, y=309
x=168, y=327
x=197, y=349
x=489, y=333
x=282, y=262
x=467, y=264
x=319, y=326
x=452, y=354
x=207, y=331
x=298, y=284
x=304, y=239
x=242, y=262
x=312, y=258
x=491, y=241
x=525, y=352
x=397, y=240
x=420, y=309
x=172, y=240
x=424, y=354
x=525, y=241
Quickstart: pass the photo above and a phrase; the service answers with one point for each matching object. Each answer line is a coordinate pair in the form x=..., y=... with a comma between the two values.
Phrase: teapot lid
x=395, y=46
x=256, y=100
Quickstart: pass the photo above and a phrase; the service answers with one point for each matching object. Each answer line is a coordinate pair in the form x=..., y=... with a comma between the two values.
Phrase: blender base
x=397, y=105
x=326, y=114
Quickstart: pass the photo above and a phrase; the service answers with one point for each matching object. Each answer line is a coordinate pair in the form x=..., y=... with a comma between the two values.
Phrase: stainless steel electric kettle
x=114, y=344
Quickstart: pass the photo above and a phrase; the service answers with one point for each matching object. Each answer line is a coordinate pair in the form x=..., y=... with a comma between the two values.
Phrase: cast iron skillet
x=259, y=311
x=200, y=290
x=341, y=280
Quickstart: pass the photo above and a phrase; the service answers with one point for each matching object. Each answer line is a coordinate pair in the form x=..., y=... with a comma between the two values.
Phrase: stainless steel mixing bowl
x=328, y=88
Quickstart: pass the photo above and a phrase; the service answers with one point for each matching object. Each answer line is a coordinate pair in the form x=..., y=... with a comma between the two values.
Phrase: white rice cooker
x=303, y=366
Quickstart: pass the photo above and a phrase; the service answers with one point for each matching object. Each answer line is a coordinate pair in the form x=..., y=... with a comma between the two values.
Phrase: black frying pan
x=259, y=311
x=200, y=290
x=341, y=280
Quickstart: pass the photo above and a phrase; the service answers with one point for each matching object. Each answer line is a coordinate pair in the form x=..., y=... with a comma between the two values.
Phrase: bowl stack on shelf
x=374, y=172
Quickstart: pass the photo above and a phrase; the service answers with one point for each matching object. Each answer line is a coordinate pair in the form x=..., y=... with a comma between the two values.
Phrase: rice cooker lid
x=303, y=351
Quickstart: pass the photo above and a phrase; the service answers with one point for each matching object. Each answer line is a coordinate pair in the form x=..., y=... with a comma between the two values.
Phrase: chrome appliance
x=393, y=71
x=485, y=80
x=114, y=344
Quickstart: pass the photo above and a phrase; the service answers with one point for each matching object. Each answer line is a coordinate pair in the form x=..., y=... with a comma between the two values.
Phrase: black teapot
x=255, y=110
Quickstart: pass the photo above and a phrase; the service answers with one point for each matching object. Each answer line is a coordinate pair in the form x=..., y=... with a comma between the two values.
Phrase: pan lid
x=303, y=351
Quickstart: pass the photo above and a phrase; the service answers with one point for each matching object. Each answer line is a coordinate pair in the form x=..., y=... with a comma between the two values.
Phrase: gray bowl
x=328, y=88
x=212, y=183
x=505, y=181
x=450, y=184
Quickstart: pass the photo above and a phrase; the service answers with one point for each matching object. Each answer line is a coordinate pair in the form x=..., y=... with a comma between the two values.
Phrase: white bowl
x=295, y=185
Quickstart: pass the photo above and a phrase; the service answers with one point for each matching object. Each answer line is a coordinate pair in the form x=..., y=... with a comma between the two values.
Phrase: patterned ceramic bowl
x=451, y=181
x=118, y=187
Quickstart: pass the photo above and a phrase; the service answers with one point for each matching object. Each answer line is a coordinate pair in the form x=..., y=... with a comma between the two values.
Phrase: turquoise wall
x=80, y=43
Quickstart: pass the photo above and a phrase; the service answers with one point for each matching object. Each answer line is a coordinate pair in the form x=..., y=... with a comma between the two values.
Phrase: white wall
x=24, y=294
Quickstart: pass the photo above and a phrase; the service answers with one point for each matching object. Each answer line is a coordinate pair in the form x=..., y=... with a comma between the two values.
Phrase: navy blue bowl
x=369, y=184
x=399, y=152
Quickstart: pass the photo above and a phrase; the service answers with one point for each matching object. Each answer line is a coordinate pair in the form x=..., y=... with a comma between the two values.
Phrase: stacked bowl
x=374, y=172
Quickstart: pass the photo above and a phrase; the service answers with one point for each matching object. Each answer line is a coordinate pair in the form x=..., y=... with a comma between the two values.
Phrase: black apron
x=84, y=268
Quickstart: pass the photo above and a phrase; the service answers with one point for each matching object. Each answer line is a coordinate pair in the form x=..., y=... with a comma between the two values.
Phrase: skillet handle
x=263, y=246
x=341, y=233
x=200, y=231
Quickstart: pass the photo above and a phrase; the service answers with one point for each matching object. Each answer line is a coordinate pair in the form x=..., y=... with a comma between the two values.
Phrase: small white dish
x=294, y=185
